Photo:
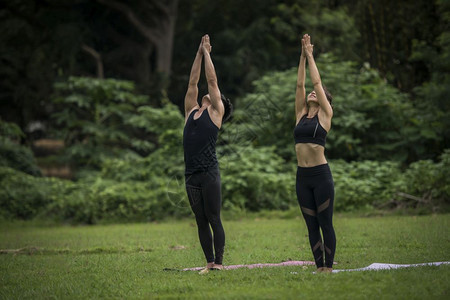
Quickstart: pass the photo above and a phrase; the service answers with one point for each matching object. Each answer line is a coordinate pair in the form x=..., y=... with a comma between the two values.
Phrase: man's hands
x=307, y=47
x=200, y=48
x=206, y=45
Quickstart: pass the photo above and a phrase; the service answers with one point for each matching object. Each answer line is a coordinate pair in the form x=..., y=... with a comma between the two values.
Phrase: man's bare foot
x=327, y=270
x=217, y=267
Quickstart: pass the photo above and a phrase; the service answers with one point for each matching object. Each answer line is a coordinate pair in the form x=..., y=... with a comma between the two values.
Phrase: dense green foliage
x=129, y=165
x=365, y=184
x=105, y=118
x=432, y=96
x=388, y=74
x=87, y=201
x=406, y=41
x=253, y=37
x=12, y=153
x=128, y=261
x=137, y=189
x=256, y=179
x=372, y=120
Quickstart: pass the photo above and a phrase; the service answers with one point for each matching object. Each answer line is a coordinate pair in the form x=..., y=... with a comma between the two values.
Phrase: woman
x=315, y=187
x=203, y=186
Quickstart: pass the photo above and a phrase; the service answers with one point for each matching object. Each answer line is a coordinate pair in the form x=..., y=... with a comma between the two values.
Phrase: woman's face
x=312, y=97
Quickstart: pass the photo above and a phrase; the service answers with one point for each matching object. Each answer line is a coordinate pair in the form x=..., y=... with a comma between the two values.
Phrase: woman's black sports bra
x=310, y=131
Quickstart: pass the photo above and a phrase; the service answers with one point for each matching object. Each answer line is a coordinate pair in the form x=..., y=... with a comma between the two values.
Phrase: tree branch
x=164, y=8
x=98, y=59
x=131, y=16
x=411, y=197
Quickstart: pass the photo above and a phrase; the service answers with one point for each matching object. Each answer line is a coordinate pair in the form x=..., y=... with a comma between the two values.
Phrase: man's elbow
x=192, y=83
x=212, y=82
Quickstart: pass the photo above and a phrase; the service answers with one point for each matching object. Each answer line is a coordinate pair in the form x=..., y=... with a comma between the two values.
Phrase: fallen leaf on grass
x=177, y=247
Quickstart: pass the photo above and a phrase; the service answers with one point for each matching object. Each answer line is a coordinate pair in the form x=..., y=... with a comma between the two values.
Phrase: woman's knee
x=213, y=218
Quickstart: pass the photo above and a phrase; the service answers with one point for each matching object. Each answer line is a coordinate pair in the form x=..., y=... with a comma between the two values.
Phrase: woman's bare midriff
x=310, y=155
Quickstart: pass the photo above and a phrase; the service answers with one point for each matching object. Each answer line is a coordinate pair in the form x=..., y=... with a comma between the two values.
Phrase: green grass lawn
x=128, y=261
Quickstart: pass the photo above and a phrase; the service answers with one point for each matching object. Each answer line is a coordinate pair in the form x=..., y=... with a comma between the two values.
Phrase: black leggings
x=315, y=195
x=204, y=193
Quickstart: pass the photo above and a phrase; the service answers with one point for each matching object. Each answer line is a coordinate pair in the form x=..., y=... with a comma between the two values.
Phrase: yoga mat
x=381, y=266
x=252, y=266
x=372, y=267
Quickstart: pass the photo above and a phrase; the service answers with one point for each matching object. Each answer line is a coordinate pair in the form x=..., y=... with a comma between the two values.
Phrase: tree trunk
x=165, y=44
x=160, y=34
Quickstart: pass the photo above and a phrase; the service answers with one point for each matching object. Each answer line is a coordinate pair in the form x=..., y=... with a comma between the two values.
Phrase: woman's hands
x=303, y=46
x=307, y=47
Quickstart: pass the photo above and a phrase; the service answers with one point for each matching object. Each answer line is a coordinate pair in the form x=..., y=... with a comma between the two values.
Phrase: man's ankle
x=217, y=266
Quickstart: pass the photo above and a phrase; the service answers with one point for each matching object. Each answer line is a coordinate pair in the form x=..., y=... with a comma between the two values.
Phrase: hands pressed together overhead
x=205, y=45
x=307, y=47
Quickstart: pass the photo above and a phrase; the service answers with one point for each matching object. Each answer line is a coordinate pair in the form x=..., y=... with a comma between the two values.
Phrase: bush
x=363, y=184
x=110, y=201
x=90, y=201
x=101, y=119
x=255, y=179
x=18, y=157
x=14, y=155
x=21, y=196
x=425, y=184
x=366, y=108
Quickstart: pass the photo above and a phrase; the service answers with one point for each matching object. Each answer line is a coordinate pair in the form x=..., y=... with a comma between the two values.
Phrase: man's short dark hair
x=228, y=108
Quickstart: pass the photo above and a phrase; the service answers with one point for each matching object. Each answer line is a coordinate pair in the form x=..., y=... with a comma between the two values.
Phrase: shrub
x=109, y=201
x=18, y=157
x=255, y=179
x=100, y=119
x=363, y=184
x=425, y=184
x=14, y=155
x=21, y=196
x=366, y=108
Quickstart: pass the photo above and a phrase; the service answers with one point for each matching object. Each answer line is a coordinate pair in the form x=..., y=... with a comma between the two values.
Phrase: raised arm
x=315, y=79
x=300, y=93
x=190, y=100
x=211, y=78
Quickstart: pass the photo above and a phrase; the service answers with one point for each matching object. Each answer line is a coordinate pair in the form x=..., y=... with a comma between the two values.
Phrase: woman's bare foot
x=320, y=270
x=208, y=267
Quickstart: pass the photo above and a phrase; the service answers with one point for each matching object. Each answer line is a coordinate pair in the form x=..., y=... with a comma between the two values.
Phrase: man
x=203, y=185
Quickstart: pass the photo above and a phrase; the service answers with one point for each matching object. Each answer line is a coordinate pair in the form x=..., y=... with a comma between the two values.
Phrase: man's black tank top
x=199, y=142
